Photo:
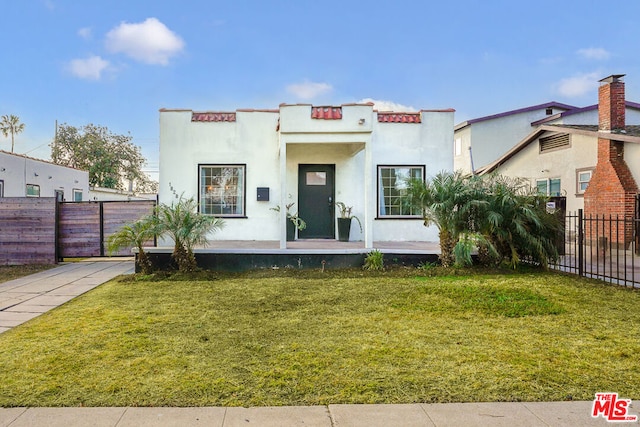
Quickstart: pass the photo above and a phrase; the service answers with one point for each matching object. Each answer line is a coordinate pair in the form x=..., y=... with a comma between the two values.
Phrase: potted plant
x=294, y=223
x=344, y=221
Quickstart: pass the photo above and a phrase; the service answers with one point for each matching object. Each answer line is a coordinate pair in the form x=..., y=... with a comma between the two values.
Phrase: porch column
x=369, y=196
x=283, y=194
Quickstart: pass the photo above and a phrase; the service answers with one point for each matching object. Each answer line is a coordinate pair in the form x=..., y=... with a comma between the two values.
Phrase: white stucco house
x=242, y=164
x=479, y=142
x=22, y=176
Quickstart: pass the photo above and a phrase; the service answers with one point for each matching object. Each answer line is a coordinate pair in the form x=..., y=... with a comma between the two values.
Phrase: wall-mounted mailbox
x=263, y=194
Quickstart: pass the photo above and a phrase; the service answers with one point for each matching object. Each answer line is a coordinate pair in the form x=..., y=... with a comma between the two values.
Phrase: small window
x=33, y=190
x=549, y=187
x=316, y=178
x=583, y=176
x=549, y=111
x=554, y=142
x=77, y=195
x=222, y=190
x=458, y=147
x=392, y=190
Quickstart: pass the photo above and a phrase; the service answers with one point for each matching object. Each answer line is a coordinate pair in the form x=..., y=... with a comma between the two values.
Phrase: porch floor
x=324, y=245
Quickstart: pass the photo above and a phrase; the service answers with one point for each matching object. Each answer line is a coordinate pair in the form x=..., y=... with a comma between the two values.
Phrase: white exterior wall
x=251, y=140
x=356, y=144
x=17, y=171
x=493, y=138
x=632, y=157
x=530, y=164
x=429, y=144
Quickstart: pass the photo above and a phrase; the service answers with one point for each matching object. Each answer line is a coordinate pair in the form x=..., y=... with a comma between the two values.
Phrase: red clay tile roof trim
x=213, y=117
x=326, y=113
x=399, y=118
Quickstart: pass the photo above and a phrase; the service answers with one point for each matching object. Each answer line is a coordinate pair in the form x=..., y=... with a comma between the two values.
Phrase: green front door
x=316, y=198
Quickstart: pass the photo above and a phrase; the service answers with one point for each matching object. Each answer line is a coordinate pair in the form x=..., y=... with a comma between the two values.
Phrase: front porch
x=241, y=255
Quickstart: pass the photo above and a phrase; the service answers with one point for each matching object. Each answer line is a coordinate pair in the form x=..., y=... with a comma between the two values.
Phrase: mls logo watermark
x=612, y=408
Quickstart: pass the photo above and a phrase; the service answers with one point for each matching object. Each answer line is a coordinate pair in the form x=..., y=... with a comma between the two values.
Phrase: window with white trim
x=583, y=176
x=33, y=190
x=222, y=190
x=392, y=191
x=77, y=195
x=549, y=186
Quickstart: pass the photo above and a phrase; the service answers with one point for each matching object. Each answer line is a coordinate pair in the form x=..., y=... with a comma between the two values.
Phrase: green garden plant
x=136, y=234
x=505, y=219
x=187, y=227
x=374, y=260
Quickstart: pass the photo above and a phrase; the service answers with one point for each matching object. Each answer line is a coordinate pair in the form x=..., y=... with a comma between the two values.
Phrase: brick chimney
x=612, y=189
x=611, y=106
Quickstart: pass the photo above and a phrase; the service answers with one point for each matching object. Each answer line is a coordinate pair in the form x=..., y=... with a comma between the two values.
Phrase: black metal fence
x=600, y=247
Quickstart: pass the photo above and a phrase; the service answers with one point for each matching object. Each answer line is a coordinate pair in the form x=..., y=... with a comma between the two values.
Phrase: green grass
x=10, y=272
x=285, y=338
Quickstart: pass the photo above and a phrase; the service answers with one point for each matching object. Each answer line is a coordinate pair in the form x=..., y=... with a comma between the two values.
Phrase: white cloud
x=85, y=33
x=578, y=85
x=89, y=68
x=150, y=41
x=308, y=90
x=387, y=105
x=596, y=53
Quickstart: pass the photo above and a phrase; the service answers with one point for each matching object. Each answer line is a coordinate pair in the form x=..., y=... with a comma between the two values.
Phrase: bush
x=374, y=260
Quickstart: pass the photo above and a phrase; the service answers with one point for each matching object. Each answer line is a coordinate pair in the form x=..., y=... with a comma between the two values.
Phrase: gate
x=84, y=227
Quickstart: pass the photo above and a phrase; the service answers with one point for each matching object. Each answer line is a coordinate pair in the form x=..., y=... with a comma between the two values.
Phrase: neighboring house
x=241, y=165
x=100, y=194
x=481, y=141
x=22, y=176
x=596, y=167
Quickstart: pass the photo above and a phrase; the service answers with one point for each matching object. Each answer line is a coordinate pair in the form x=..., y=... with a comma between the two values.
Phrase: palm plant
x=182, y=222
x=11, y=125
x=135, y=234
x=444, y=202
x=515, y=222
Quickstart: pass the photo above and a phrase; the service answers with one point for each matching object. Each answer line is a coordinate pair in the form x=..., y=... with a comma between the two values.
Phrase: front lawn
x=277, y=338
x=10, y=272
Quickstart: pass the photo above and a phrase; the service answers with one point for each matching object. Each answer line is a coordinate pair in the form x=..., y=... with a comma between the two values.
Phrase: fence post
x=580, y=243
x=101, y=210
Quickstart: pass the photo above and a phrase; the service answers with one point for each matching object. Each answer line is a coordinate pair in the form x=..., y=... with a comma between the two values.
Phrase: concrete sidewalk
x=28, y=297
x=559, y=414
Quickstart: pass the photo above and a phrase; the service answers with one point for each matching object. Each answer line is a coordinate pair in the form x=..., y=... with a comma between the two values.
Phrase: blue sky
x=116, y=63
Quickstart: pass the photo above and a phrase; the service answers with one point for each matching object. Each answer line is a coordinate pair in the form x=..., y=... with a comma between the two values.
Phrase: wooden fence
x=28, y=230
x=43, y=231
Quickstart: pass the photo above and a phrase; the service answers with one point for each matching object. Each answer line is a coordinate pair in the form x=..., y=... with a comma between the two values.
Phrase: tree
x=187, y=228
x=110, y=159
x=135, y=234
x=11, y=125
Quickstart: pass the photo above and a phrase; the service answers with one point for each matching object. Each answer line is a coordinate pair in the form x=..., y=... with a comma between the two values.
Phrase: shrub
x=187, y=227
x=374, y=260
x=135, y=234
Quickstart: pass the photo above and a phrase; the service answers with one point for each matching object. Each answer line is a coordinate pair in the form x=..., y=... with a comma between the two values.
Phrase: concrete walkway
x=25, y=298
x=28, y=297
x=561, y=414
